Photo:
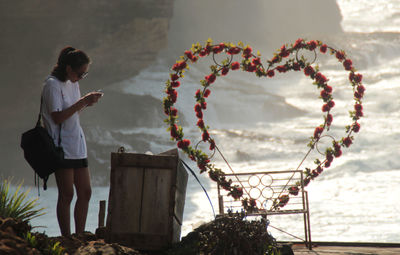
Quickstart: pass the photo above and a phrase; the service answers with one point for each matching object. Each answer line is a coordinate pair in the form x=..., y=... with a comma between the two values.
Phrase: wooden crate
x=146, y=200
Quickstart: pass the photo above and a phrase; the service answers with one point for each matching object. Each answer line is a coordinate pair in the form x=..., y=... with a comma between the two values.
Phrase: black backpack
x=40, y=151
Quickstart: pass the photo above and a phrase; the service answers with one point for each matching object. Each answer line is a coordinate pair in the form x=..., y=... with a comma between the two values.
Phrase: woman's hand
x=92, y=98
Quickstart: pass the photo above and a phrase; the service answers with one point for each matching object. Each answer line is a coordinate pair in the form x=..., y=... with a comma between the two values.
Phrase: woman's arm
x=88, y=100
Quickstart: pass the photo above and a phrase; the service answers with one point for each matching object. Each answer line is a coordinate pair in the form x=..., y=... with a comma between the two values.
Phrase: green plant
x=56, y=249
x=17, y=205
x=228, y=235
x=31, y=239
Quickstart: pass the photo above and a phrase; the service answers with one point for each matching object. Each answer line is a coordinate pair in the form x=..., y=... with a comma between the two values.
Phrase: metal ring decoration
x=271, y=179
x=265, y=196
x=284, y=60
x=252, y=177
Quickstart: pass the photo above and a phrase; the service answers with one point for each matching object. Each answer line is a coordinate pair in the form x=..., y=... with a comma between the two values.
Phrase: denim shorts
x=74, y=163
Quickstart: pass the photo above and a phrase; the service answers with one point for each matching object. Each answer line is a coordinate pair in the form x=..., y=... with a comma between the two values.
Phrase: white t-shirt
x=58, y=96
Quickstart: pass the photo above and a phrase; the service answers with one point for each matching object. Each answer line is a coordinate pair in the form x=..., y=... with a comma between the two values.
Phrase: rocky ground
x=13, y=241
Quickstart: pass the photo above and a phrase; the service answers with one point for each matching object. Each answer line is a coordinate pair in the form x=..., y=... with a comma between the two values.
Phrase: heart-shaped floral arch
x=289, y=55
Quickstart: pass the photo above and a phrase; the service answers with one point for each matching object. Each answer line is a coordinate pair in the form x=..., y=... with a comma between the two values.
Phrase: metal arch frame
x=266, y=212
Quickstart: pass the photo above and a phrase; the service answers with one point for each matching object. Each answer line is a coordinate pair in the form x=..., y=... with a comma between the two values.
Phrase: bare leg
x=84, y=192
x=65, y=180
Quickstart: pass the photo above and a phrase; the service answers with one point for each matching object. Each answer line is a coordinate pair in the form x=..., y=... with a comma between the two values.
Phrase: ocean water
x=264, y=124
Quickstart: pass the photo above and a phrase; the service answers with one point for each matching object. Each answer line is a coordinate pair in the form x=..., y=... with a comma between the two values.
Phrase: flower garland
x=284, y=60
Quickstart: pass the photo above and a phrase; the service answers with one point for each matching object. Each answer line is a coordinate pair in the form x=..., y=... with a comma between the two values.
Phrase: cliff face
x=121, y=37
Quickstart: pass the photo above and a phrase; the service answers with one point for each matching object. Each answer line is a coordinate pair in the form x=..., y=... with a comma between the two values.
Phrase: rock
x=100, y=247
x=11, y=241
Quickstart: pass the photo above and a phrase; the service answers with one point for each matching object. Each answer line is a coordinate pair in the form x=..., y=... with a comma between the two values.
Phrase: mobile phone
x=100, y=91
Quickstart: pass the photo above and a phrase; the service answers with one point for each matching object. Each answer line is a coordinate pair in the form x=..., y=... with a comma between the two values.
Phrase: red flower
x=338, y=153
x=294, y=190
x=336, y=146
x=224, y=71
x=329, y=157
x=356, y=127
x=323, y=48
x=207, y=92
x=327, y=164
x=186, y=142
x=312, y=45
x=233, y=51
x=205, y=135
x=324, y=94
x=358, y=95
x=183, y=143
x=180, y=144
x=347, y=141
x=270, y=73
x=203, y=53
x=298, y=44
x=348, y=64
x=236, y=192
x=199, y=114
x=247, y=51
x=256, y=61
x=284, y=52
x=197, y=108
x=198, y=94
x=219, y=48
x=235, y=65
x=318, y=131
x=361, y=89
x=328, y=89
x=358, y=107
x=174, y=77
x=296, y=66
x=319, y=169
x=173, y=95
x=210, y=78
x=175, y=84
x=358, y=78
x=200, y=123
x=204, y=105
x=189, y=54
x=325, y=108
x=174, y=131
x=179, y=66
x=329, y=119
x=314, y=174
x=340, y=55
x=331, y=104
x=309, y=70
x=212, y=144
x=275, y=59
x=359, y=114
x=320, y=78
x=174, y=112
x=251, y=68
x=281, y=69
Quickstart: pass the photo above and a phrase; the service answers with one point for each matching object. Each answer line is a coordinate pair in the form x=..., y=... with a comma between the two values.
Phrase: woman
x=62, y=103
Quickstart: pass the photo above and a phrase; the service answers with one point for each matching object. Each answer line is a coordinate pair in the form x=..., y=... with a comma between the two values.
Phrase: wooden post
x=102, y=213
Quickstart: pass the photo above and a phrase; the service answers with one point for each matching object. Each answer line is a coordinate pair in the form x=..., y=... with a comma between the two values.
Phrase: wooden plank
x=146, y=161
x=102, y=212
x=156, y=201
x=180, y=192
x=125, y=199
